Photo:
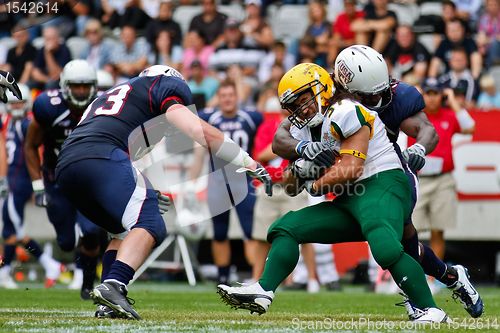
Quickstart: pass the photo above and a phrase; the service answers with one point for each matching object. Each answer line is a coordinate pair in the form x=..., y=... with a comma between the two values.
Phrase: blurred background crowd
x=254, y=42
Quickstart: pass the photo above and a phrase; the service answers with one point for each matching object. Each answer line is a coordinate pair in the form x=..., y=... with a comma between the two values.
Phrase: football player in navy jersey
x=362, y=70
x=95, y=170
x=20, y=192
x=241, y=126
x=56, y=113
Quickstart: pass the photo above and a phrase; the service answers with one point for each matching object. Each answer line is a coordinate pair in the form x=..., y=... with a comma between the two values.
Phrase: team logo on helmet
x=344, y=72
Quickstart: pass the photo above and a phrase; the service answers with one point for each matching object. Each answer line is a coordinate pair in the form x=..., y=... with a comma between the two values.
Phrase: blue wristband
x=299, y=148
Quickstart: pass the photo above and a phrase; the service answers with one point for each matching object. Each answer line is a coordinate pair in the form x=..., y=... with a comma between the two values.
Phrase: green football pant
x=374, y=211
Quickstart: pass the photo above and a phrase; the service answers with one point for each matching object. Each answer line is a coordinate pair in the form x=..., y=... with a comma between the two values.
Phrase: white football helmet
x=362, y=70
x=78, y=72
x=19, y=108
x=104, y=80
x=161, y=70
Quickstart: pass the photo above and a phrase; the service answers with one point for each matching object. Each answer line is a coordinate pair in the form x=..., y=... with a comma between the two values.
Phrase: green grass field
x=179, y=308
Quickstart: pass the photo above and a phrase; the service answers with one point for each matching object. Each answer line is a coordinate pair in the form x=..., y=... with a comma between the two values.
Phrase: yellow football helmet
x=301, y=78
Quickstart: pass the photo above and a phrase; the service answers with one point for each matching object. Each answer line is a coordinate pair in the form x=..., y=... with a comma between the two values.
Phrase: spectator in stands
x=196, y=49
x=405, y=55
x=460, y=75
x=489, y=98
x=277, y=56
x=243, y=83
x=98, y=52
x=308, y=52
x=468, y=10
x=234, y=50
x=130, y=57
x=72, y=16
x=50, y=60
x=165, y=52
x=343, y=36
x=455, y=37
x=256, y=31
x=162, y=22
x=436, y=205
x=488, y=37
x=121, y=13
x=376, y=28
x=269, y=88
x=210, y=23
x=20, y=58
x=202, y=84
x=319, y=28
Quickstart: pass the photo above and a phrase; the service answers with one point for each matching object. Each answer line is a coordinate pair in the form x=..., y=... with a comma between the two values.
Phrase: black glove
x=4, y=187
x=308, y=186
x=7, y=82
x=415, y=156
x=316, y=152
x=260, y=173
x=306, y=169
x=163, y=202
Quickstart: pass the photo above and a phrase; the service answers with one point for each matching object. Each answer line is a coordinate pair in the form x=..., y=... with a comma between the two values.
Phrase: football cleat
x=114, y=295
x=104, y=311
x=53, y=270
x=431, y=315
x=427, y=315
x=6, y=280
x=466, y=293
x=249, y=297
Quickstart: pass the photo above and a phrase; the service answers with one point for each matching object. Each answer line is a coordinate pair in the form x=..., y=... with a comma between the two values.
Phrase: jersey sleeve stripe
x=365, y=118
x=336, y=131
x=149, y=94
x=170, y=99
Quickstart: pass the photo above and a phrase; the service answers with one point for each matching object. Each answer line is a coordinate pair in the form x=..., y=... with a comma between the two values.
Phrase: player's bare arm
x=213, y=139
x=34, y=139
x=420, y=128
x=350, y=167
x=284, y=143
x=293, y=185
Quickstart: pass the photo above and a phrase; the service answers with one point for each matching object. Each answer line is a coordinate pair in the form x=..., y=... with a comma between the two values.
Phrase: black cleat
x=85, y=293
x=104, y=311
x=114, y=295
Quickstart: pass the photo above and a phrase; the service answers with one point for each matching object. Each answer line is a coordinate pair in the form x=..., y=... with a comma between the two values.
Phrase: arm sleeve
x=409, y=101
x=168, y=90
x=347, y=122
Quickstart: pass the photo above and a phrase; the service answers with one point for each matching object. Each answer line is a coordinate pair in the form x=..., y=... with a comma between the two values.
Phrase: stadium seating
x=290, y=21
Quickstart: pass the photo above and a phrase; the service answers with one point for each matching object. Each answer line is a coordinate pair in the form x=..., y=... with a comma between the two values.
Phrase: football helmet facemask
x=302, y=78
x=78, y=73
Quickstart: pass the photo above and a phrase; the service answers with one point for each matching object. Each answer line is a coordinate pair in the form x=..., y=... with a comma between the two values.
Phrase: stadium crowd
x=247, y=42
x=249, y=45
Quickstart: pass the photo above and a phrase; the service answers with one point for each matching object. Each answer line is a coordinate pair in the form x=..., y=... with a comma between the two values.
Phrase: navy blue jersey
x=14, y=144
x=52, y=113
x=406, y=102
x=112, y=117
x=240, y=128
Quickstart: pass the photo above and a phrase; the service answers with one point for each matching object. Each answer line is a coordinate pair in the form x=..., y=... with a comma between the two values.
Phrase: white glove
x=7, y=82
x=316, y=152
x=415, y=156
x=260, y=173
x=306, y=169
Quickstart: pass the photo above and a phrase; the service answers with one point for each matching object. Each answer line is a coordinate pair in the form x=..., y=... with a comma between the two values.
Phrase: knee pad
x=385, y=247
